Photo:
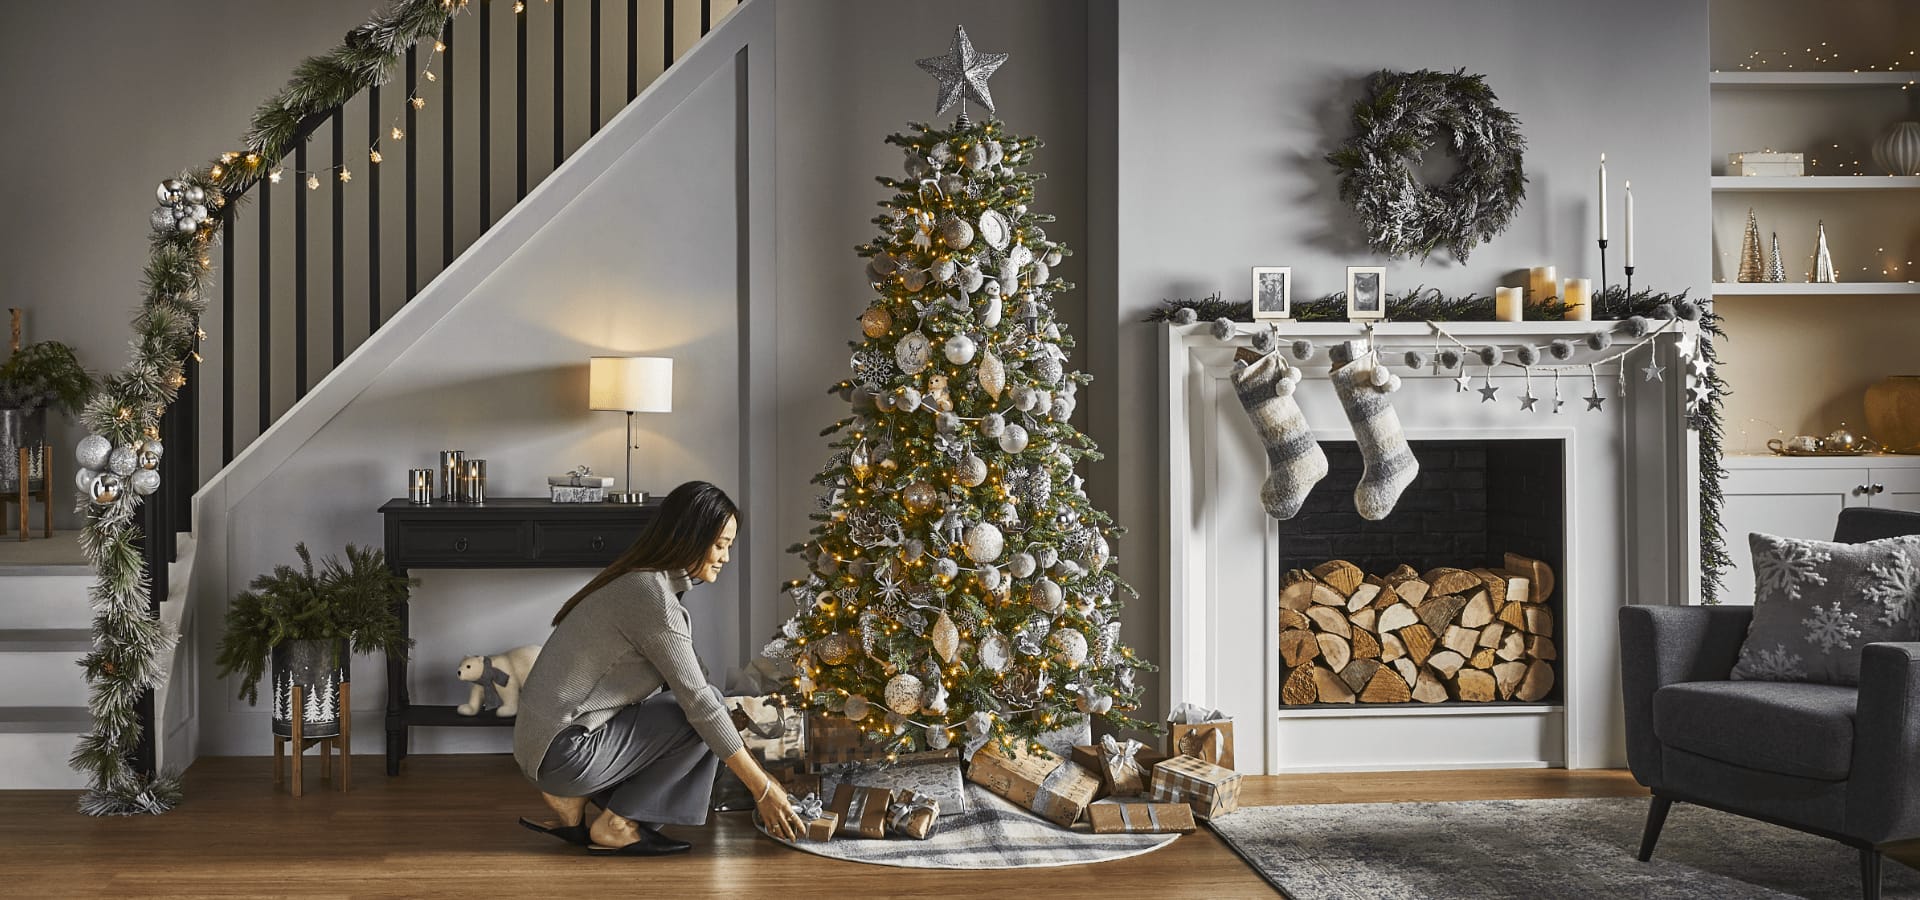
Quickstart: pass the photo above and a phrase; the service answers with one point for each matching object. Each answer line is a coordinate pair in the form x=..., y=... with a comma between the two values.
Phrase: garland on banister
x=1705, y=410
x=118, y=459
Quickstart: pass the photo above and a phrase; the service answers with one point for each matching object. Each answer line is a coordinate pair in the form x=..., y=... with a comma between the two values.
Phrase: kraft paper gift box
x=913, y=814
x=1211, y=790
x=1201, y=733
x=1117, y=817
x=1054, y=788
x=774, y=731
x=862, y=811
x=1089, y=758
x=938, y=778
x=820, y=824
x=834, y=741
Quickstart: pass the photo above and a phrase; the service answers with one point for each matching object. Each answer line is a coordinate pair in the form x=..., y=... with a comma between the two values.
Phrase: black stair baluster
x=300, y=275
x=339, y=237
x=446, y=149
x=226, y=334
x=633, y=49
x=593, y=76
x=265, y=346
x=486, y=115
x=373, y=214
x=413, y=181
x=559, y=82
x=520, y=109
x=706, y=17
x=666, y=31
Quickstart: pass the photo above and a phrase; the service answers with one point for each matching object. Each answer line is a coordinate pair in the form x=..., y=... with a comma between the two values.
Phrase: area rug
x=1499, y=849
x=990, y=834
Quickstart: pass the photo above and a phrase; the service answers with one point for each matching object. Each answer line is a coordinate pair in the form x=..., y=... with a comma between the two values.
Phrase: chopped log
x=1507, y=675
x=1482, y=659
x=1438, y=612
x=1473, y=686
x=1330, y=686
x=1539, y=620
x=1340, y=575
x=1538, y=681
x=1447, y=662
x=1414, y=592
x=1293, y=618
x=1396, y=617
x=1490, y=635
x=1364, y=620
x=1452, y=581
x=1302, y=595
x=1330, y=620
x=1362, y=597
x=1428, y=689
x=1514, y=614
x=1496, y=585
x=1519, y=588
x=1297, y=648
x=1478, y=611
x=1409, y=672
x=1386, y=687
x=1365, y=645
x=1419, y=641
x=1391, y=647
x=1460, y=640
x=1541, y=647
x=1387, y=597
x=1336, y=649
x=1512, y=647
x=1296, y=576
x=1539, y=576
x=1298, y=689
x=1400, y=573
x=1358, y=673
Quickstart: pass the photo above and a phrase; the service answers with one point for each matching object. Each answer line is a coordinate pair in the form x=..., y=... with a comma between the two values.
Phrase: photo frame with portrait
x=1366, y=293
x=1272, y=293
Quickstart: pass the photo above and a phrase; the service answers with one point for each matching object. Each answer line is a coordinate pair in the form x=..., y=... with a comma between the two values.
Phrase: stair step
x=39, y=667
x=44, y=719
x=45, y=640
x=35, y=742
x=46, y=600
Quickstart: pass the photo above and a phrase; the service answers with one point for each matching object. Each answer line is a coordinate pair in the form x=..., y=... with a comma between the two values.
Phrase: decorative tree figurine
x=959, y=587
x=1752, y=268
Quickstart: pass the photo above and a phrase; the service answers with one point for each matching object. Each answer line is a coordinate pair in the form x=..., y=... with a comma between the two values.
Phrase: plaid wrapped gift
x=1056, y=789
x=774, y=731
x=1211, y=790
x=835, y=741
x=1141, y=818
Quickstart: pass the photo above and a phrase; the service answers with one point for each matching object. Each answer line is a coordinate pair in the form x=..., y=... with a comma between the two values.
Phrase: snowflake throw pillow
x=1817, y=603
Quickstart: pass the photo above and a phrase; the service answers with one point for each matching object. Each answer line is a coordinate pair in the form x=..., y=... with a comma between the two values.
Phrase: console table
x=502, y=533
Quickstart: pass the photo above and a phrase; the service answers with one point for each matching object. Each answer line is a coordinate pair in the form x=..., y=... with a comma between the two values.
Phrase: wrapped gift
x=1062, y=740
x=1141, y=818
x=772, y=730
x=1211, y=790
x=581, y=477
x=820, y=824
x=836, y=741
x=862, y=811
x=912, y=814
x=559, y=494
x=1201, y=733
x=1765, y=163
x=1120, y=768
x=1089, y=758
x=1054, y=788
x=937, y=778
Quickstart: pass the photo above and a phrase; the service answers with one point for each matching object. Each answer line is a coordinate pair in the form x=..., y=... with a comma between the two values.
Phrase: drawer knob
x=1860, y=489
x=460, y=545
x=1879, y=488
x=598, y=543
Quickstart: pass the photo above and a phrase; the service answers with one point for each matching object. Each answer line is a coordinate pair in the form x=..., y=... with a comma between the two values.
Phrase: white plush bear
x=496, y=680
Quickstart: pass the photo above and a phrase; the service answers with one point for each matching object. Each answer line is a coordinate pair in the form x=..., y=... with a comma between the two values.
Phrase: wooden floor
x=445, y=828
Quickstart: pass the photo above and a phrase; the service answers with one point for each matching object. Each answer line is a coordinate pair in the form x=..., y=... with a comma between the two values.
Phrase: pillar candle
x=1541, y=282
x=1629, y=224
x=1577, y=293
x=1506, y=304
x=1603, y=196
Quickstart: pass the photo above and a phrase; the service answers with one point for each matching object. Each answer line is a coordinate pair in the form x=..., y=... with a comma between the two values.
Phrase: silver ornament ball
x=93, y=451
x=145, y=482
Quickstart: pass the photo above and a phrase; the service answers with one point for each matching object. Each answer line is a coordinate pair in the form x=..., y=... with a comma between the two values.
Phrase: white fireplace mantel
x=1631, y=524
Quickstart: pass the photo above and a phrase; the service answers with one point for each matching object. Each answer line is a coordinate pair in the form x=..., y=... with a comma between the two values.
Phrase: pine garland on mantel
x=130, y=646
x=1429, y=305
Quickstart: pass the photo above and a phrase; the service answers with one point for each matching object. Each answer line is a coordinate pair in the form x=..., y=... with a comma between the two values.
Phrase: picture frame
x=1272, y=293
x=1366, y=293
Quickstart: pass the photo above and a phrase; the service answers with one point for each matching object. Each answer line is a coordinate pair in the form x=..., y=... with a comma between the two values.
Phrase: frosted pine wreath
x=1404, y=116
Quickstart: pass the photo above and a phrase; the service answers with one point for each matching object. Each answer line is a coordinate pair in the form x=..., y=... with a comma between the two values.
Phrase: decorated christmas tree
x=960, y=586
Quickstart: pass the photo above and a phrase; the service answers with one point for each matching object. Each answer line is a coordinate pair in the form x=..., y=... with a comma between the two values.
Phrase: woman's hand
x=776, y=809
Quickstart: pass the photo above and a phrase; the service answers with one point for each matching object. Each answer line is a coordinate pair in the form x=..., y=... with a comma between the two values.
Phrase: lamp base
x=629, y=497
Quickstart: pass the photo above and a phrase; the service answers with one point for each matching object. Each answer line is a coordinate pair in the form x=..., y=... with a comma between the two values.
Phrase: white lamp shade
x=631, y=383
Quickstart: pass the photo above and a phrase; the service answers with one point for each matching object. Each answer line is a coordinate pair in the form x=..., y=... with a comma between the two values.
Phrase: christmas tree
x=959, y=584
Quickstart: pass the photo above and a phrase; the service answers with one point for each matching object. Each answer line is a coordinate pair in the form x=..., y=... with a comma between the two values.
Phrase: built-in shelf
x=1748, y=183
x=1810, y=81
x=1798, y=288
x=1388, y=710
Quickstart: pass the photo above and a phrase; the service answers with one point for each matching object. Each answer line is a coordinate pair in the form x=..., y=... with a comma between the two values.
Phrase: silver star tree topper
x=962, y=73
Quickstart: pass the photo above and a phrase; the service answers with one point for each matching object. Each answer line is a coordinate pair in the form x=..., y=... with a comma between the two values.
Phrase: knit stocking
x=1294, y=460
x=1363, y=386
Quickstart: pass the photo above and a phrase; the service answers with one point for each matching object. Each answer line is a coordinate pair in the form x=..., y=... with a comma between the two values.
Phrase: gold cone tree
x=960, y=586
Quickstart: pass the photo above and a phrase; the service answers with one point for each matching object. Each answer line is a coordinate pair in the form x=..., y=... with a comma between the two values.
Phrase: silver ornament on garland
x=123, y=460
x=105, y=489
x=145, y=482
x=956, y=233
x=83, y=480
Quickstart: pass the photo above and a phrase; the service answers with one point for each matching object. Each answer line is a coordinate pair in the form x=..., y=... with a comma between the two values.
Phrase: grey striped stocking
x=1390, y=465
x=1294, y=459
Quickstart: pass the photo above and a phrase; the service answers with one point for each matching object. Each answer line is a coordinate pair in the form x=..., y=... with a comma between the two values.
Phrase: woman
x=590, y=722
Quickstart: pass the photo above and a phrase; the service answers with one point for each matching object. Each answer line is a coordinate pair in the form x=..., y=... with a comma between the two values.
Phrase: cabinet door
x=1791, y=502
x=1902, y=488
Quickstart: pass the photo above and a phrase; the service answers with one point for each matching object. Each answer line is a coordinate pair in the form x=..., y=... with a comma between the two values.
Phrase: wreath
x=1403, y=116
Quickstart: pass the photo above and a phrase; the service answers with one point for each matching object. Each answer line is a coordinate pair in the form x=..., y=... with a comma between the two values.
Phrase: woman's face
x=708, y=569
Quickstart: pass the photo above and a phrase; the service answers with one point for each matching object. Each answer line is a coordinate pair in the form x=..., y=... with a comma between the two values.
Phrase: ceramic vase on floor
x=320, y=667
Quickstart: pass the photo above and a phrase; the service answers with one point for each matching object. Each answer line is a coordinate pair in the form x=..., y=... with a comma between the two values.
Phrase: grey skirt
x=646, y=763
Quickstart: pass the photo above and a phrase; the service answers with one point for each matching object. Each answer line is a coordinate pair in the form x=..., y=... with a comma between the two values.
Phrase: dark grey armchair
x=1830, y=760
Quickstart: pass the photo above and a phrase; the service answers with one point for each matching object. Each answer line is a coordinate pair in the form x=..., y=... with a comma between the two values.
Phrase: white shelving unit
x=1810, y=81
x=1798, y=289
x=1740, y=183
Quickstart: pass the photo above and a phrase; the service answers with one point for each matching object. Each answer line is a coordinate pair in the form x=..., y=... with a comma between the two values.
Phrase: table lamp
x=630, y=384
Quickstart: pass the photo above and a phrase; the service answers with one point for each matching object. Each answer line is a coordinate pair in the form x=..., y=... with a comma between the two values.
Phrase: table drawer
x=595, y=543
x=498, y=543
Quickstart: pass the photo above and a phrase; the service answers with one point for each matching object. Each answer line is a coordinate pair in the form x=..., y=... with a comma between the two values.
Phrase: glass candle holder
x=450, y=472
x=473, y=481
x=420, y=486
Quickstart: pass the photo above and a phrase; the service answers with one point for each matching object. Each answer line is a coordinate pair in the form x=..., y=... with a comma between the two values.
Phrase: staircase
x=44, y=630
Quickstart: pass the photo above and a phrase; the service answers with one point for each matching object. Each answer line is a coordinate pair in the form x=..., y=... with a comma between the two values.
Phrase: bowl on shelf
x=1893, y=412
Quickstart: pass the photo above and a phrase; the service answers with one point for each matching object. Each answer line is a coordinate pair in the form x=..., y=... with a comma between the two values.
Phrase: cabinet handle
x=459, y=545
x=598, y=543
x=1861, y=489
x=1879, y=488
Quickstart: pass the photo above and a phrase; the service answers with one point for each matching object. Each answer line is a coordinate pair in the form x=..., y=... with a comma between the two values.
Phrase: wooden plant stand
x=343, y=743
x=26, y=494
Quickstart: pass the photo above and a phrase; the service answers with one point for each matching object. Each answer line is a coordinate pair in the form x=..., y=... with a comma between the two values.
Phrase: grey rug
x=1498, y=849
x=990, y=834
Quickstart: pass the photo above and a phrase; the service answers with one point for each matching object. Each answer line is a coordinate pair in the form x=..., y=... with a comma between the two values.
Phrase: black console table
x=504, y=533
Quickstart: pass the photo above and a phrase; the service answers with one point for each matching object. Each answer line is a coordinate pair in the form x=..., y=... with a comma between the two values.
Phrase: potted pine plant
x=34, y=378
x=309, y=621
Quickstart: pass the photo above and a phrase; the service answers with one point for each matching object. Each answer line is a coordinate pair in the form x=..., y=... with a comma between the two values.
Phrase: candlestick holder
x=1603, y=265
x=1629, y=281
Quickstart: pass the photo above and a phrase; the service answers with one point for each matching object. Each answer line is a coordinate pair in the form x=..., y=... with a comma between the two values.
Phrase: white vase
x=1898, y=151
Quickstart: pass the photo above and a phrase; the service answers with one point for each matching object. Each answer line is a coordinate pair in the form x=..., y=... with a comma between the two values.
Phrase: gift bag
x=1205, y=734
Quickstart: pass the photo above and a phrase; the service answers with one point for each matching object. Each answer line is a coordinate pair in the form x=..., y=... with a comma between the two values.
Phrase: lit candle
x=1575, y=294
x=1506, y=304
x=1603, y=196
x=1543, y=284
x=1629, y=224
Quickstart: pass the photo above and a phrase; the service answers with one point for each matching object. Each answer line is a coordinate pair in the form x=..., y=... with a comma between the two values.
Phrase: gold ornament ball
x=876, y=322
x=904, y=694
x=919, y=497
x=833, y=649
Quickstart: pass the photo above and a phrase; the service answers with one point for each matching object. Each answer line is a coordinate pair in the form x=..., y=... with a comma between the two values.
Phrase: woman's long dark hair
x=690, y=520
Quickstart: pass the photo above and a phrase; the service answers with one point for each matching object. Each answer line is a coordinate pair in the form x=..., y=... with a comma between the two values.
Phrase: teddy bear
x=496, y=680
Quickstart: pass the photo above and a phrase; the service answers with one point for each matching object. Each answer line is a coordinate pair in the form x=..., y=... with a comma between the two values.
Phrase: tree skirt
x=1540, y=848
x=990, y=834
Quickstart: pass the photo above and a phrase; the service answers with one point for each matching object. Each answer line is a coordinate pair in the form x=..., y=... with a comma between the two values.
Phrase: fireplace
x=1603, y=498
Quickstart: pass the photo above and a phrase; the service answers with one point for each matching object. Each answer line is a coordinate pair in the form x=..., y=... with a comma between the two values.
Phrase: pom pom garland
x=1526, y=355
x=1663, y=311
x=1490, y=355
x=1449, y=359
x=1265, y=340
x=1185, y=316
x=1688, y=310
x=1416, y=359
x=1637, y=327
x=1223, y=329
x=1599, y=340
x=1303, y=350
x=1561, y=349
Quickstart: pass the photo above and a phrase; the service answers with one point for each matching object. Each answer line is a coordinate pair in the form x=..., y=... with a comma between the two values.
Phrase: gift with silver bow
x=862, y=812
x=1052, y=787
x=1201, y=733
x=912, y=814
x=820, y=824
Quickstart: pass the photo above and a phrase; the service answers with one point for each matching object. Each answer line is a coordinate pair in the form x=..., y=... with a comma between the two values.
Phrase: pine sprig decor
x=1407, y=114
x=118, y=459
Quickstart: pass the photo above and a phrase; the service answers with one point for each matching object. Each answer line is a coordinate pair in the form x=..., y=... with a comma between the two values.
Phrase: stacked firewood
x=1448, y=634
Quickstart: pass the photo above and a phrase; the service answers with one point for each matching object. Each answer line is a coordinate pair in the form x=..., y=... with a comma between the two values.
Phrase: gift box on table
x=836, y=741
x=862, y=811
x=1211, y=790
x=913, y=814
x=1052, y=787
x=774, y=731
x=578, y=487
x=1201, y=733
x=1134, y=817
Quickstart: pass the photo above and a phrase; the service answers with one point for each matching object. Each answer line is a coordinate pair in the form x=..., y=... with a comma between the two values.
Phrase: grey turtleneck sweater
x=616, y=648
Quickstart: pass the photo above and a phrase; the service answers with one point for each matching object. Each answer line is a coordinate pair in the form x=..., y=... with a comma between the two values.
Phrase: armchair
x=1831, y=760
